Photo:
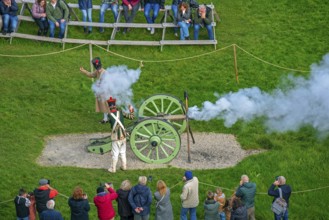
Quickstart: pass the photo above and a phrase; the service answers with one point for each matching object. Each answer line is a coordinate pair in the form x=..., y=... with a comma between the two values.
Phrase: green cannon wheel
x=155, y=141
x=162, y=105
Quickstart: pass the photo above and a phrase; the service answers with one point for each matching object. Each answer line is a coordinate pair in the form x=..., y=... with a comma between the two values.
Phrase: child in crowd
x=22, y=204
x=210, y=207
x=33, y=210
x=220, y=198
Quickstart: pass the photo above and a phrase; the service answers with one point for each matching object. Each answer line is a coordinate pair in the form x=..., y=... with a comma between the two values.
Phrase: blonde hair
x=162, y=187
x=125, y=185
x=142, y=180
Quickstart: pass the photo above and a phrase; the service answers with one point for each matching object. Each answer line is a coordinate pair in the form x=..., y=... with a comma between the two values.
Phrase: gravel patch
x=211, y=151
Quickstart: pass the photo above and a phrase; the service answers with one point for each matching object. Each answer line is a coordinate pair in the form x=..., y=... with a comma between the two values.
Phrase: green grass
x=46, y=95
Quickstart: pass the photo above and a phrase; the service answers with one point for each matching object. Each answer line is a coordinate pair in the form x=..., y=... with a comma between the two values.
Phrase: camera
x=149, y=178
x=276, y=178
x=103, y=184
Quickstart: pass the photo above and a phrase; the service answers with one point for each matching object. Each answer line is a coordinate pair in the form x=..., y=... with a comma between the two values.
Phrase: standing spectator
x=163, y=206
x=210, y=207
x=184, y=20
x=247, y=191
x=132, y=6
x=86, y=7
x=140, y=199
x=280, y=182
x=33, y=211
x=220, y=198
x=203, y=18
x=118, y=135
x=101, y=106
x=43, y=194
x=189, y=196
x=51, y=213
x=239, y=210
x=40, y=16
x=124, y=208
x=113, y=4
x=79, y=205
x=103, y=202
x=57, y=14
x=8, y=10
x=149, y=5
x=22, y=204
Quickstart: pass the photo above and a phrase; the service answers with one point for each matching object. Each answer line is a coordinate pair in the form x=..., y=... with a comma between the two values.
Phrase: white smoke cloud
x=116, y=82
x=305, y=102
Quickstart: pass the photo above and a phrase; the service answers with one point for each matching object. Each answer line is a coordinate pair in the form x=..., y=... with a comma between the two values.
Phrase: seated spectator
x=132, y=6
x=163, y=206
x=40, y=16
x=57, y=14
x=140, y=199
x=149, y=5
x=203, y=18
x=124, y=208
x=113, y=4
x=184, y=20
x=51, y=213
x=8, y=11
x=43, y=194
x=86, y=7
x=22, y=204
x=79, y=205
x=33, y=211
x=210, y=207
x=239, y=210
x=220, y=198
x=103, y=202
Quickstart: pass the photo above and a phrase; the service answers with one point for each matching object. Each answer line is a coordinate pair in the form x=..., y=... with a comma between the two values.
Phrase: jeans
x=174, y=9
x=283, y=216
x=222, y=216
x=104, y=7
x=209, y=29
x=130, y=18
x=148, y=7
x=184, y=211
x=9, y=20
x=87, y=14
x=141, y=217
x=52, y=26
x=184, y=29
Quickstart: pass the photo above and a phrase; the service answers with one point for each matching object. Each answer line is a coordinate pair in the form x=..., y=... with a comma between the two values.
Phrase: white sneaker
x=111, y=170
x=176, y=35
x=152, y=30
x=148, y=28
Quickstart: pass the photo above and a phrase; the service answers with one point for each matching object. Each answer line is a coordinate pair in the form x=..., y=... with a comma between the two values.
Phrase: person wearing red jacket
x=103, y=202
x=43, y=194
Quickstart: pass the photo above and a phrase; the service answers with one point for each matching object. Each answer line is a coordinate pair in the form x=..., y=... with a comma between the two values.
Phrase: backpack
x=58, y=2
x=279, y=206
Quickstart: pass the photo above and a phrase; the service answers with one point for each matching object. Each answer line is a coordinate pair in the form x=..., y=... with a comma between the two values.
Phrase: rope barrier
x=38, y=55
x=264, y=61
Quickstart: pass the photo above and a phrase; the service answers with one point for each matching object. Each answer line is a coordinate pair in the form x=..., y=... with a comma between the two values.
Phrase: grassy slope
x=46, y=95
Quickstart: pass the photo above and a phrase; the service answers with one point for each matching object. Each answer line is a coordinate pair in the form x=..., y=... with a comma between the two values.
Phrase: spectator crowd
x=134, y=202
x=56, y=14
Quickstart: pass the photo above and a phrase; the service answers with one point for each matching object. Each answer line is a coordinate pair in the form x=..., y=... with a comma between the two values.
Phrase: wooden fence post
x=236, y=64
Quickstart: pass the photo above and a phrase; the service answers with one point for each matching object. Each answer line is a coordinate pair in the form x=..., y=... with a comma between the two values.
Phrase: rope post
x=187, y=131
x=90, y=59
x=235, y=64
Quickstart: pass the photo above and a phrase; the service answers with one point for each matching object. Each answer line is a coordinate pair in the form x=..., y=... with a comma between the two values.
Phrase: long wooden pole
x=90, y=59
x=187, y=130
x=235, y=64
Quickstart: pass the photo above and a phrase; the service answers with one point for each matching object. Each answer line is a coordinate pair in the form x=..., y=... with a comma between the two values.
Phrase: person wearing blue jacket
x=8, y=11
x=140, y=199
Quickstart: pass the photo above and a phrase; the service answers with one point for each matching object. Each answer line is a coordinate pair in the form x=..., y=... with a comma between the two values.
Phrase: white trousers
x=119, y=148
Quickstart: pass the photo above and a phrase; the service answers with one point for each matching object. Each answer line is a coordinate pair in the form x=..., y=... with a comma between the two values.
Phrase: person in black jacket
x=239, y=210
x=22, y=204
x=280, y=182
x=124, y=208
x=79, y=205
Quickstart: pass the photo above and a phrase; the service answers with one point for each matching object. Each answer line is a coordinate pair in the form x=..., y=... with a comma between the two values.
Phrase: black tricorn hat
x=97, y=63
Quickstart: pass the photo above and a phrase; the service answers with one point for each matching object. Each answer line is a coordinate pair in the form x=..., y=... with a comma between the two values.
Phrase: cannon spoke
x=163, y=150
x=169, y=106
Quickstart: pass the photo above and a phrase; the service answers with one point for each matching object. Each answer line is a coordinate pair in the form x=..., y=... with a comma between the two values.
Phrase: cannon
x=155, y=136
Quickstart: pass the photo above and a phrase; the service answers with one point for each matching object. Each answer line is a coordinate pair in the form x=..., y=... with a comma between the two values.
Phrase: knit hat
x=43, y=182
x=188, y=175
x=100, y=189
x=97, y=63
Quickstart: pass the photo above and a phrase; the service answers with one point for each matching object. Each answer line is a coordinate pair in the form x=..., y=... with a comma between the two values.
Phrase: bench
x=112, y=41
